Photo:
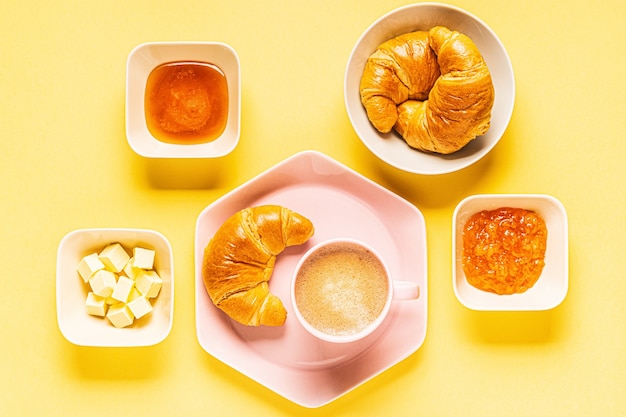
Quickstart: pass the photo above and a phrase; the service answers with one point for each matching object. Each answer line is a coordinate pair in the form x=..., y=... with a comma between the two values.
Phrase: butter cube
x=114, y=257
x=143, y=258
x=96, y=305
x=134, y=293
x=122, y=289
x=89, y=265
x=140, y=306
x=120, y=315
x=130, y=270
x=149, y=283
x=103, y=282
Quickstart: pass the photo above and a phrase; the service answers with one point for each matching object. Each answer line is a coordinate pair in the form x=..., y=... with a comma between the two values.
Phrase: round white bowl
x=142, y=60
x=390, y=147
x=551, y=287
x=80, y=328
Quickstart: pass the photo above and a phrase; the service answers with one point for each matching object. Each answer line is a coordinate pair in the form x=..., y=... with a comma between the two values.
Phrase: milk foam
x=341, y=289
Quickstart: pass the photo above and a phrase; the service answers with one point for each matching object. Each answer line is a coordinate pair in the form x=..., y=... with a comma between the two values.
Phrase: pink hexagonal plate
x=340, y=203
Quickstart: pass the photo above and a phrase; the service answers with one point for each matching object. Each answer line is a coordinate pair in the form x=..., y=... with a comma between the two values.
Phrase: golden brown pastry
x=433, y=87
x=239, y=260
x=402, y=68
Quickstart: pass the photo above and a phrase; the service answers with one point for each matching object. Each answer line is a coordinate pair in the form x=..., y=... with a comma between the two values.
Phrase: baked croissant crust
x=433, y=88
x=239, y=260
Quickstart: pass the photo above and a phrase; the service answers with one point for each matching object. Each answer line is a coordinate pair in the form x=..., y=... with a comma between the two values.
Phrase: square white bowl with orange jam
x=183, y=99
x=550, y=288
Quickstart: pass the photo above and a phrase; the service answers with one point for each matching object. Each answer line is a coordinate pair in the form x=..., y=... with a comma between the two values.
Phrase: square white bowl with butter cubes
x=115, y=287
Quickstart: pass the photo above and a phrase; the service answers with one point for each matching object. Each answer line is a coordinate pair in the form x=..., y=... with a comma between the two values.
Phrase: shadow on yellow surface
x=140, y=363
x=178, y=173
x=513, y=327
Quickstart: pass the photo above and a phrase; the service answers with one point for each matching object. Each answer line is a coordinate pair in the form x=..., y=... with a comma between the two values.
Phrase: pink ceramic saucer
x=340, y=203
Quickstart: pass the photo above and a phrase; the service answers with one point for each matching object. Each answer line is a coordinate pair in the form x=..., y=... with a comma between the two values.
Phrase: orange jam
x=186, y=102
x=504, y=249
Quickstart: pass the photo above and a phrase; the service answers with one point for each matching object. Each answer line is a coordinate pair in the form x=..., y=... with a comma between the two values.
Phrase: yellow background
x=65, y=164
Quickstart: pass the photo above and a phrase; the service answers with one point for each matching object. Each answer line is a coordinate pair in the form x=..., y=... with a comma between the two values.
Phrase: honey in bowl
x=186, y=102
x=504, y=250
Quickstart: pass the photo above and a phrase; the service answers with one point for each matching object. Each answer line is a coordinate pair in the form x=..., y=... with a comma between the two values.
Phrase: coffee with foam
x=341, y=288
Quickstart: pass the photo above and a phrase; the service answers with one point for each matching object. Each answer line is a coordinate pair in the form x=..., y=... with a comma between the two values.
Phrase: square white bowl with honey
x=115, y=287
x=183, y=99
x=510, y=252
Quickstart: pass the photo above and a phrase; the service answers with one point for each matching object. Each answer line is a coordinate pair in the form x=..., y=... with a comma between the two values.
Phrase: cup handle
x=406, y=290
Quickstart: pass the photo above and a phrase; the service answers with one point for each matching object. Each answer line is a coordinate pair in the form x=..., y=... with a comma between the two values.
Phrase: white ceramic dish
x=340, y=203
x=423, y=16
x=82, y=329
x=143, y=59
x=551, y=288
